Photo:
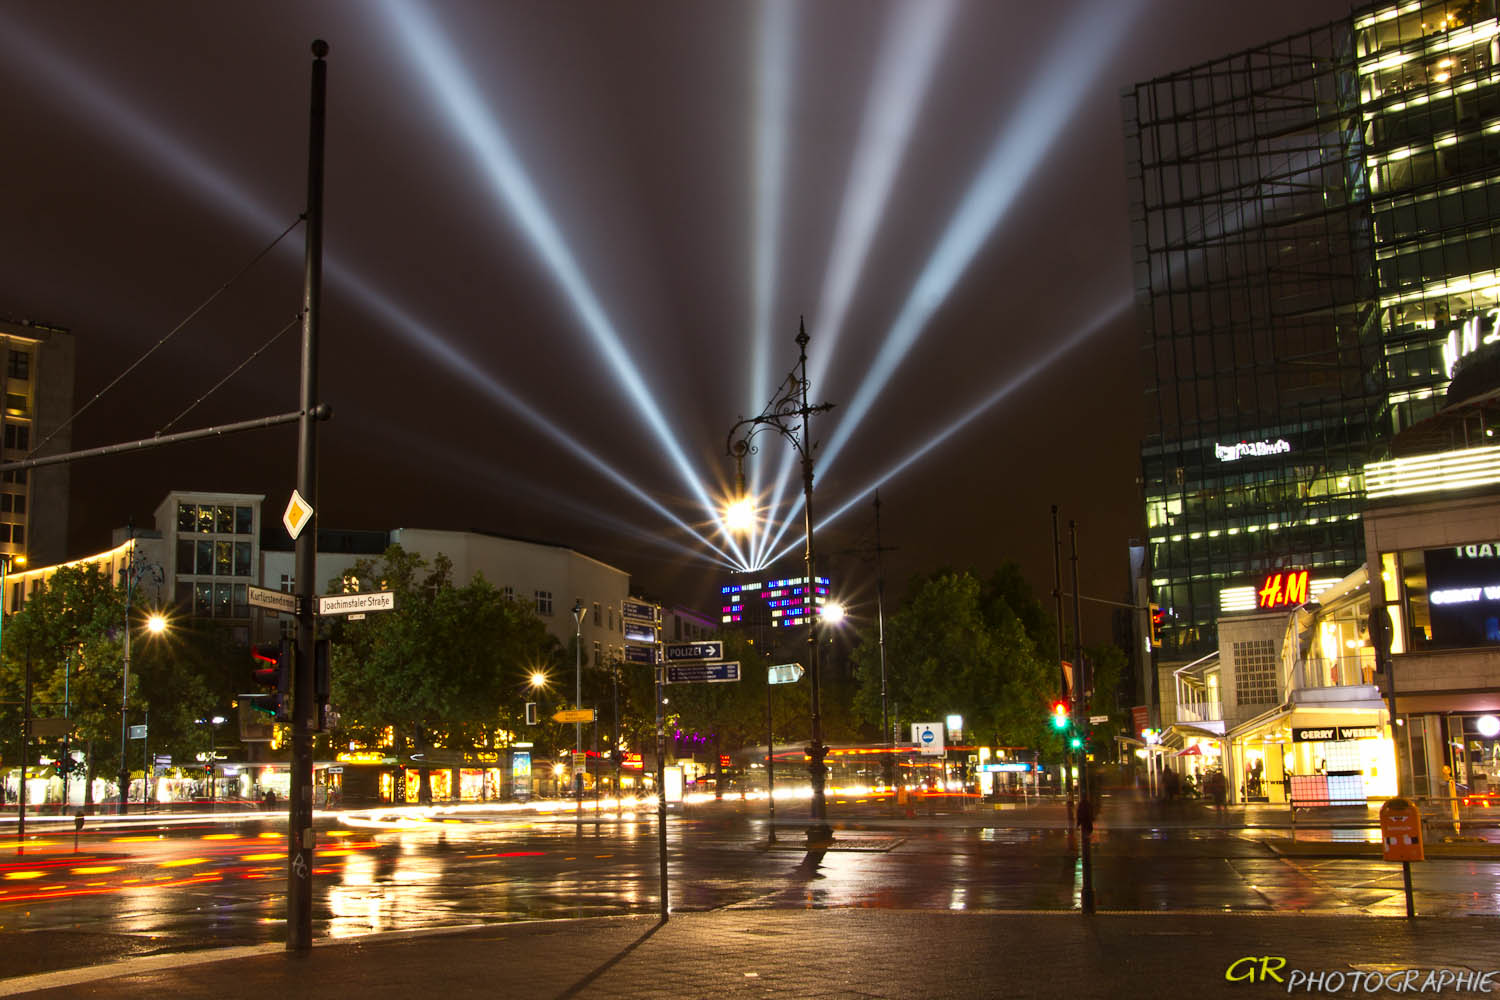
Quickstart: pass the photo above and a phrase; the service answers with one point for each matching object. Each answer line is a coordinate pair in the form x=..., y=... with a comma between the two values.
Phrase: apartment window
x=597, y=615
x=19, y=366
x=205, y=520
x=185, y=595
x=223, y=558
x=544, y=602
x=13, y=476
x=507, y=593
x=205, y=557
x=203, y=599
x=244, y=518
x=286, y=583
x=18, y=436
x=15, y=402
x=1255, y=672
x=598, y=652
x=187, y=517
x=13, y=503
x=184, y=557
x=224, y=519
x=241, y=558
x=241, y=602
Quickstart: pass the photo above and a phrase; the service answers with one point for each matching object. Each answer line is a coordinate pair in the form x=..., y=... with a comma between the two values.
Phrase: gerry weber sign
x=1324, y=734
x=1251, y=449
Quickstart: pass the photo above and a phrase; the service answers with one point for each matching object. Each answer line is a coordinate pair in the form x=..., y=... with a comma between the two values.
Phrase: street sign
x=575, y=715
x=640, y=632
x=53, y=729
x=928, y=736
x=639, y=611
x=162, y=760
x=713, y=673
x=677, y=651
x=784, y=673
x=271, y=600
x=640, y=654
x=345, y=604
x=580, y=760
x=137, y=732
x=298, y=513
x=1098, y=720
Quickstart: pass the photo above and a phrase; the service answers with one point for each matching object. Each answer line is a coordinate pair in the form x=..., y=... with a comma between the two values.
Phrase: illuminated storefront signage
x=632, y=762
x=1329, y=734
x=1463, y=596
x=365, y=757
x=1285, y=589
x=1251, y=449
x=1466, y=338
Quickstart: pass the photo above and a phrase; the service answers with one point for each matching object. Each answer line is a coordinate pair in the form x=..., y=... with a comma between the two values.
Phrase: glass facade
x=214, y=546
x=1314, y=236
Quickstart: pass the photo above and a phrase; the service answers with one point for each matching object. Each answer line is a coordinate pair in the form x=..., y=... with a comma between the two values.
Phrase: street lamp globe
x=538, y=679
x=833, y=613
x=156, y=624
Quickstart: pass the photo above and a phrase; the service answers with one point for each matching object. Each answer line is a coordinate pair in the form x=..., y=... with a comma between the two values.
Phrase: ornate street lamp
x=787, y=414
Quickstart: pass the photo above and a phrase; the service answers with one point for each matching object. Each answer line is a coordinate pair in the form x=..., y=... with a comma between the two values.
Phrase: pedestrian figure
x=1085, y=817
x=1217, y=789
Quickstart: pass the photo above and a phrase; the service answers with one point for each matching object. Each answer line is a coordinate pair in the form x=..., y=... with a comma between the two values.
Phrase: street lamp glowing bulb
x=833, y=613
x=156, y=624
x=739, y=516
x=538, y=679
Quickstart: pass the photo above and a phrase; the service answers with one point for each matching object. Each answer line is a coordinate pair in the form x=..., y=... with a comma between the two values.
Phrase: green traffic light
x=1076, y=743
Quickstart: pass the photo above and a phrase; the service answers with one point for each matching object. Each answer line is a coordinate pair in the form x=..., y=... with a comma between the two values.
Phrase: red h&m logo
x=1283, y=590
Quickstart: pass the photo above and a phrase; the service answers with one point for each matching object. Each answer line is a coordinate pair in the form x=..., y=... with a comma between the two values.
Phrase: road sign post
x=694, y=673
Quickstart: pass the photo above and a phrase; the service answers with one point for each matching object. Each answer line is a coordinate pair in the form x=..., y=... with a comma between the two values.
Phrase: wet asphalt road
x=141, y=889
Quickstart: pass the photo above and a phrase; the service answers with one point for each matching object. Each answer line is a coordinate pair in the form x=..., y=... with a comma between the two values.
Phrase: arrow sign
x=784, y=673
x=574, y=715
x=693, y=673
x=679, y=651
x=639, y=611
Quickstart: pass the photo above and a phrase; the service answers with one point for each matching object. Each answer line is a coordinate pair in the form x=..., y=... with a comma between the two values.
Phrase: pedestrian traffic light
x=1059, y=714
x=273, y=668
x=1156, y=620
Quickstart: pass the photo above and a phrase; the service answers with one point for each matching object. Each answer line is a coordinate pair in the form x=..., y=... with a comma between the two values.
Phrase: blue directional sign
x=639, y=611
x=640, y=654
x=676, y=652
x=695, y=673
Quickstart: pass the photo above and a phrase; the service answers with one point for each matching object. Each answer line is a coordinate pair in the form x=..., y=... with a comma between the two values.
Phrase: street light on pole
x=782, y=414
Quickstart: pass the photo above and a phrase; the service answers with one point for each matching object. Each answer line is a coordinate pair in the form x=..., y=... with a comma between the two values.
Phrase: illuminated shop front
x=1294, y=682
x=1435, y=539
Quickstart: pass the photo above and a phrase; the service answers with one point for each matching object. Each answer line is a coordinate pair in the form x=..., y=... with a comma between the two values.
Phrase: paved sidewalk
x=903, y=955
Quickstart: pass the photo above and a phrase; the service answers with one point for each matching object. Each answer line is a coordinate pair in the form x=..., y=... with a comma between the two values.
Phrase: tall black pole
x=791, y=402
x=25, y=755
x=819, y=833
x=770, y=765
x=661, y=786
x=888, y=771
x=304, y=702
x=1081, y=726
x=1064, y=684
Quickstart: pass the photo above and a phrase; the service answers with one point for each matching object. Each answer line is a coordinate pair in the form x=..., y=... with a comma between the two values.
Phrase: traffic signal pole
x=300, y=837
x=1063, y=686
x=1081, y=726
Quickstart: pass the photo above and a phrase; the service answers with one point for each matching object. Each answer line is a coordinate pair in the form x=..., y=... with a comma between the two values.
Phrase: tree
x=447, y=667
x=959, y=647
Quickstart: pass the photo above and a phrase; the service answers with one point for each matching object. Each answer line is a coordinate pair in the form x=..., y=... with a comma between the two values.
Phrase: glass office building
x=1314, y=247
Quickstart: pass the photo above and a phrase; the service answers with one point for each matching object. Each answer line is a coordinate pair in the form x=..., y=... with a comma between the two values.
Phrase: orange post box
x=1401, y=831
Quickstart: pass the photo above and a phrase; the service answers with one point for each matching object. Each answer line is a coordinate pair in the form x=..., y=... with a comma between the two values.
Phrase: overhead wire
x=297, y=319
x=181, y=325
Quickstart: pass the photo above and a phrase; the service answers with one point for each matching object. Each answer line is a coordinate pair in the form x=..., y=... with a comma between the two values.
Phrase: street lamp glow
x=833, y=613
x=739, y=516
x=538, y=679
x=156, y=624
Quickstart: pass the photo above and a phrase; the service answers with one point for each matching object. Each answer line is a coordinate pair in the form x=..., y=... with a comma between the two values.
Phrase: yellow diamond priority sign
x=298, y=513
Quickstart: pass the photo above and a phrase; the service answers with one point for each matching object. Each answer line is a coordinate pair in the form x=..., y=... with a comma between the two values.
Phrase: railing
x=1200, y=711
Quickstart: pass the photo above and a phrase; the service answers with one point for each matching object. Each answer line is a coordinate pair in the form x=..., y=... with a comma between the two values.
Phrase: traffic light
x=1059, y=714
x=1157, y=617
x=273, y=669
x=1076, y=742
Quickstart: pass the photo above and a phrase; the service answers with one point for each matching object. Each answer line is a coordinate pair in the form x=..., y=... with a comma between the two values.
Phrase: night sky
x=568, y=245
